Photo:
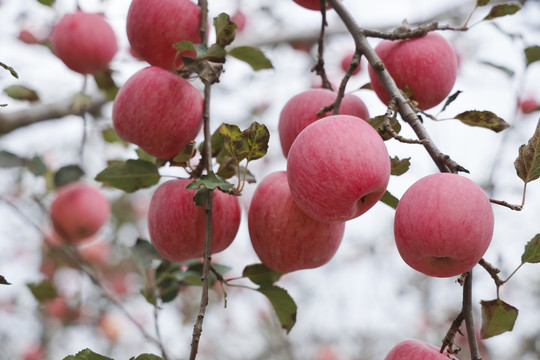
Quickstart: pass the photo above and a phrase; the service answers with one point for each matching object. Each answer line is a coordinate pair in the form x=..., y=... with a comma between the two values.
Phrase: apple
x=443, y=225
x=311, y=4
x=239, y=18
x=346, y=62
x=301, y=110
x=27, y=37
x=159, y=111
x=79, y=211
x=283, y=236
x=96, y=252
x=177, y=226
x=154, y=26
x=338, y=168
x=417, y=350
x=85, y=42
x=425, y=68
x=528, y=105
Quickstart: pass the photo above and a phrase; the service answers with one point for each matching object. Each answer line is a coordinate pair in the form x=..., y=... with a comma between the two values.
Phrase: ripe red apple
x=416, y=350
x=443, y=225
x=159, y=111
x=301, y=110
x=346, y=62
x=311, y=4
x=177, y=225
x=79, y=211
x=85, y=42
x=239, y=18
x=338, y=168
x=427, y=66
x=154, y=26
x=283, y=236
x=529, y=105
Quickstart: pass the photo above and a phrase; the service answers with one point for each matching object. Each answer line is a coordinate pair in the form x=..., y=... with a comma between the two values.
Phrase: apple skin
x=301, y=110
x=85, y=42
x=79, y=211
x=346, y=62
x=154, y=26
x=338, y=168
x=159, y=111
x=427, y=65
x=283, y=236
x=416, y=350
x=443, y=225
x=177, y=226
x=311, y=4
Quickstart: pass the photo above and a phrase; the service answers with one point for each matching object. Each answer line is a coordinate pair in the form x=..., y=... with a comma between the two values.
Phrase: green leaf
x=105, y=82
x=144, y=253
x=282, y=303
x=503, y=10
x=46, y=2
x=10, y=69
x=527, y=163
x=261, y=275
x=110, y=136
x=485, y=119
x=390, y=200
x=210, y=181
x=451, y=99
x=225, y=30
x=216, y=53
x=87, y=354
x=399, y=166
x=44, y=290
x=183, y=158
x=3, y=281
x=67, y=174
x=532, y=251
x=131, y=175
x=9, y=159
x=497, y=318
x=37, y=166
x=257, y=137
x=532, y=54
x=480, y=3
x=147, y=357
x=378, y=124
x=504, y=69
x=252, y=56
x=143, y=155
x=185, y=45
x=19, y=92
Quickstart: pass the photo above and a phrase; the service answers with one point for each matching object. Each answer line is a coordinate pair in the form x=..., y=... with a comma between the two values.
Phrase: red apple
x=529, y=105
x=416, y=350
x=283, y=236
x=338, y=168
x=443, y=225
x=159, y=111
x=27, y=37
x=424, y=67
x=346, y=62
x=85, y=42
x=311, y=4
x=154, y=26
x=79, y=211
x=301, y=110
x=177, y=225
x=239, y=18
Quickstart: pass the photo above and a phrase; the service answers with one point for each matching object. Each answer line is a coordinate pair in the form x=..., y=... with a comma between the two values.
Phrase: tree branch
x=443, y=162
x=10, y=121
x=469, y=321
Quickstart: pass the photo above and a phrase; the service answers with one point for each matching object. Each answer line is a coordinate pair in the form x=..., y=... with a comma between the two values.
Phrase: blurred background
x=365, y=300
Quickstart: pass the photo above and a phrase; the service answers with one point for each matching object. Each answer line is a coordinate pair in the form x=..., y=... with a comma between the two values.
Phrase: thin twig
x=319, y=66
x=468, y=313
x=504, y=203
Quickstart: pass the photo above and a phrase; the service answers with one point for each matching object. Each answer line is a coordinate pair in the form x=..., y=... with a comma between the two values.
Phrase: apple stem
x=443, y=162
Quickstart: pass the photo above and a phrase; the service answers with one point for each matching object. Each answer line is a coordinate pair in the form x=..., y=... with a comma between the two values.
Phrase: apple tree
x=269, y=180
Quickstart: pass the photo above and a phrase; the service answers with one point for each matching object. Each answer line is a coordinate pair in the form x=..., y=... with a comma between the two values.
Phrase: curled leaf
x=527, y=163
x=399, y=166
x=503, y=10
